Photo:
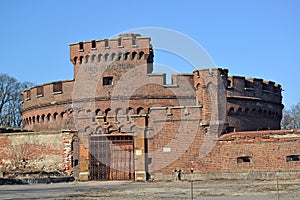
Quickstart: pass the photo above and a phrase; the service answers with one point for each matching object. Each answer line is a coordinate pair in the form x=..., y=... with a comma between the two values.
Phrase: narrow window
x=112, y=56
x=28, y=95
x=120, y=42
x=106, y=43
x=75, y=60
x=40, y=91
x=141, y=55
x=293, y=158
x=80, y=59
x=119, y=56
x=55, y=116
x=106, y=57
x=133, y=55
x=57, y=87
x=244, y=159
x=134, y=40
x=93, y=58
x=108, y=80
x=126, y=55
x=93, y=44
x=80, y=46
x=48, y=117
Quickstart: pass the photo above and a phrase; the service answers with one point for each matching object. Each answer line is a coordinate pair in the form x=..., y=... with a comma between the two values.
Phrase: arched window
x=125, y=55
x=128, y=112
x=140, y=111
x=106, y=57
x=133, y=55
x=75, y=60
x=38, y=119
x=80, y=59
x=43, y=117
x=62, y=115
x=231, y=111
x=87, y=59
x=119, y=56
x=141, y=54
x=55, y=116
x=107, y=110
x=240, y=111
x=93, y=58
x=98, y=112
x=48, y=117
x=112, y=57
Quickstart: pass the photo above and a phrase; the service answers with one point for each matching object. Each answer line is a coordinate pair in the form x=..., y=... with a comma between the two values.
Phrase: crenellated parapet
x=254, y=88
x=54, y=93
x=127, y=48
x=246, y=100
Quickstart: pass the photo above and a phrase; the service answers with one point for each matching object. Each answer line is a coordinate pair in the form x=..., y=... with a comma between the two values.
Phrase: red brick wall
x=48, y=151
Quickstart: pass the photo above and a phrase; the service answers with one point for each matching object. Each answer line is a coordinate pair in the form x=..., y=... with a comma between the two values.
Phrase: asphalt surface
x=117, y=190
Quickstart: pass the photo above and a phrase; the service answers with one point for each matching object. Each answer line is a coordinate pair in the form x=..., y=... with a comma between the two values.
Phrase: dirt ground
x=117, y=190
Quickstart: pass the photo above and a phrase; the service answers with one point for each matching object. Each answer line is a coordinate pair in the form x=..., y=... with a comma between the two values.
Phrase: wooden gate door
x=111, y=158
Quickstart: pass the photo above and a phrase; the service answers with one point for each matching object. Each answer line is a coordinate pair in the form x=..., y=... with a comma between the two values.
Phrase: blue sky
x=257, y=38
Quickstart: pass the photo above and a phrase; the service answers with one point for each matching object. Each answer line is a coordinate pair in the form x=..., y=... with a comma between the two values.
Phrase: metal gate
x=111, y=158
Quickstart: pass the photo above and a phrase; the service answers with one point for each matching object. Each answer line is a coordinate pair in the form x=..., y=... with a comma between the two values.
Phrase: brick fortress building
x=131, y=124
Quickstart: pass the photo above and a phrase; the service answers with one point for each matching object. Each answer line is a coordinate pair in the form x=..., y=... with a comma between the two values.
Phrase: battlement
x=47, y=94
x=127, y=48
x=242, y=87
x=239, y=86
x=125, y=43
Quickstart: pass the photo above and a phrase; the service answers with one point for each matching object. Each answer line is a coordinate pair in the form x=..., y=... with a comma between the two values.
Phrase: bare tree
x=291, y=117
x=11, y=100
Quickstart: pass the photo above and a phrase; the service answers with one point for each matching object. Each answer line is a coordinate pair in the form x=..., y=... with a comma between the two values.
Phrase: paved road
x=119, y=190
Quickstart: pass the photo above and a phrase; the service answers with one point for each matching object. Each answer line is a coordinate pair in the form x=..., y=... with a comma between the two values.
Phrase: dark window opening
x=93, y=44
x=80, y=46
x=48, y=117
x=119, y=56
x=105, y=57
x=108, y=80
x=293, y=158
x=57, y=87
x=112, y=56
x=80, y=59
x=106, y=43
x=28, y=94
x=230, y=129
x=40, y=91
x=141, y=54
x=93, y=58
x=134, y=40
x=75, y=162
x=43, y=117
x=126, y=55
x=244, y=159
x=133, y=55
x=75, y=60
x=119, y=42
